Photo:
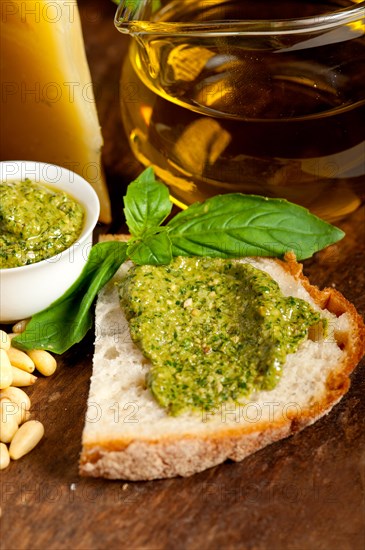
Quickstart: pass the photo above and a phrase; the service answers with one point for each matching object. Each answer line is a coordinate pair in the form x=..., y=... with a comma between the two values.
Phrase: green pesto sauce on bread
x=214, y=330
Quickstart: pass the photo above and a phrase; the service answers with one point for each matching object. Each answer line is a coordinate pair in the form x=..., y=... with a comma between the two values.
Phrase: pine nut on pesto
x=36, y=222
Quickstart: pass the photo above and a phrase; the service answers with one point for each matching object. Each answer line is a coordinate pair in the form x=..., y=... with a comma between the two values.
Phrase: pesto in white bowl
x=36, y=222
x=28, y=289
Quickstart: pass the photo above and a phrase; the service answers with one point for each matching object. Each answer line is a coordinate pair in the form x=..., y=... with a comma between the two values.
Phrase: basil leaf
x=155, y=249
x=236, y=225
x=67, y=320
x=146, y=203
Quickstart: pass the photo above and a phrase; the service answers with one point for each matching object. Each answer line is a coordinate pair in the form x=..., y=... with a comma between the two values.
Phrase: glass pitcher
x=256, y=97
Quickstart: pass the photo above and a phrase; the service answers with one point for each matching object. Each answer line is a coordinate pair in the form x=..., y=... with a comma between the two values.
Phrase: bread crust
x=147, y=458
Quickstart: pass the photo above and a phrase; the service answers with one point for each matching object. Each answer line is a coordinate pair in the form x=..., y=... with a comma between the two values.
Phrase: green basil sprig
x=146, y=206
x=224, y=226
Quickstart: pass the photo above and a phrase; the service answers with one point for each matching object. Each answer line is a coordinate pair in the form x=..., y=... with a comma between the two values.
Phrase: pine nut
x=26, y=438
x=20, y=360
x=22, y=414
x=4, y=340
x=18, y=410
x=8, y=423
x=4, y=456
x=16, y=395
x=45, y=362
x=6, y=371
x=22, y=378
x=20, y=326
x=10, y=409
x=16, y=367
x=26, y=416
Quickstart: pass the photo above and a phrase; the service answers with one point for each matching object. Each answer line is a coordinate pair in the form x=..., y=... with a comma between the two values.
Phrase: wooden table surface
x=303, y=493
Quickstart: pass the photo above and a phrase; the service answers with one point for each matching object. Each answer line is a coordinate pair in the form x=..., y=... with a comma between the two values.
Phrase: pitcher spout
x=132, y=12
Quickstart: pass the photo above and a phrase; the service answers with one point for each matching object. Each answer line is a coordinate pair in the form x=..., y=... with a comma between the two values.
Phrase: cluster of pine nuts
x=18, y=434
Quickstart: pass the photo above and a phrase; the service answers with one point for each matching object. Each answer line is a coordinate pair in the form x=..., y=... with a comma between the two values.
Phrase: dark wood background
x=303, y=493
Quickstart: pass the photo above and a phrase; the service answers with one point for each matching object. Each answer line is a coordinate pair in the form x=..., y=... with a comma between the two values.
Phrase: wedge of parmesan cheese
x=48, y=110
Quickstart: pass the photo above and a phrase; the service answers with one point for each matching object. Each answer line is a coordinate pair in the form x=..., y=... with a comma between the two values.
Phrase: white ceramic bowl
x=28, y=289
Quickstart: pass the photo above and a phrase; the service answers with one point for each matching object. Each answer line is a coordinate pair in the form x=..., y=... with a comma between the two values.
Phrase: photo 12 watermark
x=36, y=12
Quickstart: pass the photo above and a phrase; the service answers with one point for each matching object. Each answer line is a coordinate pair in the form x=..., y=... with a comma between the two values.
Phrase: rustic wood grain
x=303, y=493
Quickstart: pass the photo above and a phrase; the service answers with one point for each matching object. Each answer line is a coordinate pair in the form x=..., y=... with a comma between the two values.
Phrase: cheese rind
x=48, y=110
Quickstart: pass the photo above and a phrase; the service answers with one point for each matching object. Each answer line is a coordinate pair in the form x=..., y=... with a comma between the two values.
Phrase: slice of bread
x=127, y=435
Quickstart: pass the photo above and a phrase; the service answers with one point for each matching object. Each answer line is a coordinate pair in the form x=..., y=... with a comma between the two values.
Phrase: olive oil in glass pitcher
x=220, y=100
